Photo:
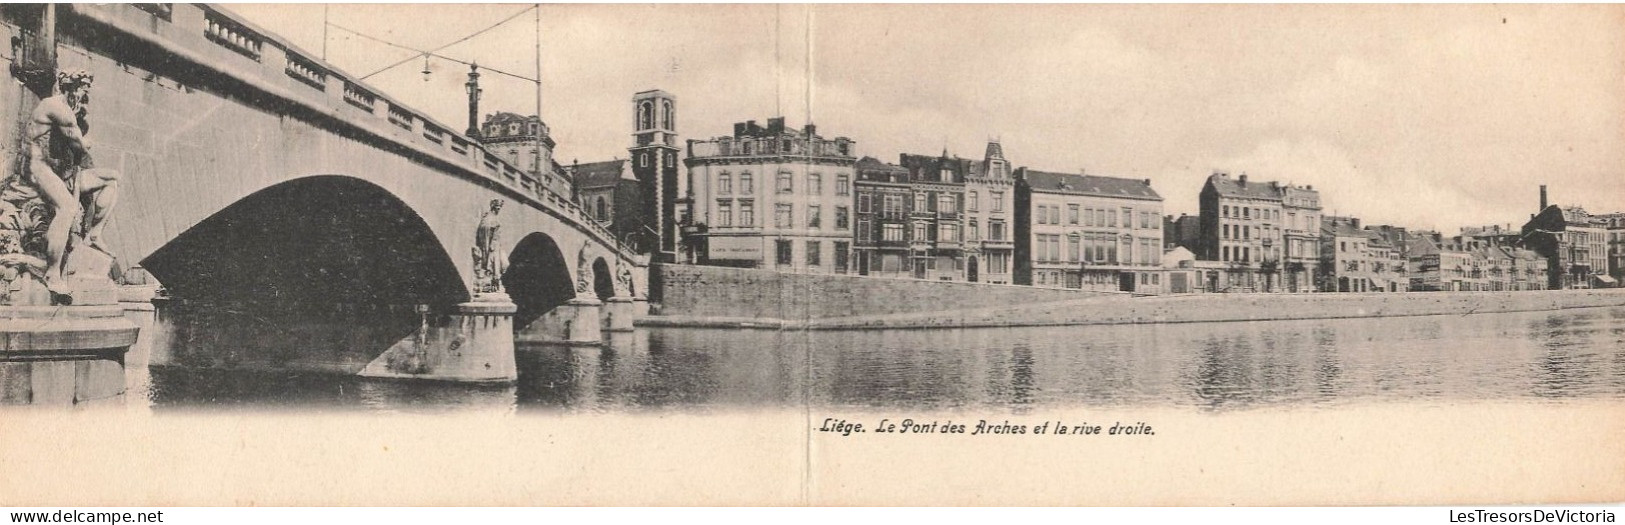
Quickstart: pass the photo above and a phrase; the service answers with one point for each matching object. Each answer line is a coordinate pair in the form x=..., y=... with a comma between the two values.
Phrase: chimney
x=1354, y=222
x=1543, y=196
x=775, y=126
x=739, y=129
x=811, y=130
x=1147, y=182
x=1243, y=179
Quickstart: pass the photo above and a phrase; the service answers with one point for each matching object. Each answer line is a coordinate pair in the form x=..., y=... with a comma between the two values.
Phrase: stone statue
x=59, y=187
x=489, y=260
x=624, y=278
x=583, y=270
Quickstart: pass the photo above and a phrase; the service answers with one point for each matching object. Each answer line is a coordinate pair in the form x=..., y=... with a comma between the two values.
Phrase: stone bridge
x=256, y=174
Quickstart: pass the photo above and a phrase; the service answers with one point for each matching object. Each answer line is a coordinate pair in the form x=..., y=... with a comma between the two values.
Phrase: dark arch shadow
x=319, y=273
x=316, y=240
x=602, y=282
x=538, y=280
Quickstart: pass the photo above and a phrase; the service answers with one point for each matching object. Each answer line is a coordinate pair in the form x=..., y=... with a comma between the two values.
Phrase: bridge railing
x=223, y=43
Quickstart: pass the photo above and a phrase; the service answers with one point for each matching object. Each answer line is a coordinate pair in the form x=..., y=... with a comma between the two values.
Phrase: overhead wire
x=453, y=43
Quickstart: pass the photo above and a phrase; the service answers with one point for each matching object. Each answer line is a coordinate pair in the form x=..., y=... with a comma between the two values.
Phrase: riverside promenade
x=705, y=297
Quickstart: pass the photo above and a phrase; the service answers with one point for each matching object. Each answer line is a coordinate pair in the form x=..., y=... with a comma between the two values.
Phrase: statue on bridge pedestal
x=58, y=192
x=584, y=279
x=623, y=279
x=489, y=260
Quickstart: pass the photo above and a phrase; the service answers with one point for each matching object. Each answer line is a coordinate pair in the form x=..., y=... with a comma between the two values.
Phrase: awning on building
x=1607, y=279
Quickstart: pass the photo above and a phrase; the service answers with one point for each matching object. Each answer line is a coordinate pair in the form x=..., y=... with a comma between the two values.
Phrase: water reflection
x=1543, y=355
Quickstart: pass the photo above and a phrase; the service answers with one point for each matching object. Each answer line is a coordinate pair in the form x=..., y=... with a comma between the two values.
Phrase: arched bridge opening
x=331, y=268
x=538, y=279
x=603, y=283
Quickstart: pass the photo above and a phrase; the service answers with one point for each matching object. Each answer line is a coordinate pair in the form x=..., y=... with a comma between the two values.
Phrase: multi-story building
x=1300, y=237
x=1574, y=243
x=773, y=197
x=1244, y=224
x=1434, y=267
x=525, y=142
x=1182, y=232
x=1615, y=223
x=1087, y=231
x=936, y=217
x=1358, y=260
x=881, y=232
x=990, y=194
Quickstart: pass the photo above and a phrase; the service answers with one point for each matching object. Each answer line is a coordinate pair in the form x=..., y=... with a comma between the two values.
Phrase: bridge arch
x=603, y=282
x=538, y=278
x=329, y=239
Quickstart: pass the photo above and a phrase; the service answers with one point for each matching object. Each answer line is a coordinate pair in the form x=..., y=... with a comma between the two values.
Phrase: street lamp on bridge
x=473, y=89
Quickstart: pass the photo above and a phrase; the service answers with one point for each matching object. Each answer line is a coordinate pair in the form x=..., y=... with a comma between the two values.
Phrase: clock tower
x=654, y=164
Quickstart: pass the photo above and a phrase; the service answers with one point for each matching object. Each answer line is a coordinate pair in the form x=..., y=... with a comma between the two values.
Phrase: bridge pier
x=619, y=312
x=472, y=342
x=577, y=321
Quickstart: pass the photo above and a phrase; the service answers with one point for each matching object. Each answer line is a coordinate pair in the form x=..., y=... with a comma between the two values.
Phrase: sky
x=1430, y=116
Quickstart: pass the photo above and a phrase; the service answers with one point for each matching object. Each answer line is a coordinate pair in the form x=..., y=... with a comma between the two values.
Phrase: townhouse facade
x=1088, y=232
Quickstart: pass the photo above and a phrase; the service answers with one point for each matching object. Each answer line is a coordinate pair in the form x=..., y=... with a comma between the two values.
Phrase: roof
x=1233, y=187
x=1050, y=182
x=599, y=174
x=504, y=116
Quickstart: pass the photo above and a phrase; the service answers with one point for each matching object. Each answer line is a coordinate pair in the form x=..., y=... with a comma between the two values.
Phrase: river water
x=1538, y=356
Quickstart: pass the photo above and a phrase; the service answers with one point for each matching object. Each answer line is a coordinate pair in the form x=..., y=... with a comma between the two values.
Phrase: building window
x=863, y=203
x=894, y=206
x=1224, y=211
x=747, y=213
x=814, y=218
x=782, y=216
x=645, y=115
x=1072, y=247
x=919, y=202
x=1055, y=248
x=725, y=215
x=815, y=184
x=1246, y=213
x=919, y=232
x=603, y=210
x=843, y=184
x=970, y=201
x=841, y=217
x=1043, y=214
x=1072, y=214
x=744, y=184
x=863, y=230
x=998, y=200
x=815, y=250
x=785, y=182
x=995, y=230
x=1055, y=215
x=973, y=234
x=782, y=247
x=725, y=184
x=841, y=249
x=948, y=233
x=892, y=232
x=666, y=115
x=946, y=204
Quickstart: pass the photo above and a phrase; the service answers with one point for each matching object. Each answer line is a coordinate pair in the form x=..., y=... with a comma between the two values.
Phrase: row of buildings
x=785, y=198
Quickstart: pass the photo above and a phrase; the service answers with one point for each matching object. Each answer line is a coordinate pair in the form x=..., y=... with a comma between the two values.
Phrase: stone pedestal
x=640, y=307
x=63, y=356
x=575, y=322
x=619, y=312
x=472, y=342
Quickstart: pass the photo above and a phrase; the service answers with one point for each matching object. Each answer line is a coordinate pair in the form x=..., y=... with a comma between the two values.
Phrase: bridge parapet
x=220, y=44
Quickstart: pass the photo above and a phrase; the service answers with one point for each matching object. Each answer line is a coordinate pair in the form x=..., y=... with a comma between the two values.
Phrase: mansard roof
x=1099, y=185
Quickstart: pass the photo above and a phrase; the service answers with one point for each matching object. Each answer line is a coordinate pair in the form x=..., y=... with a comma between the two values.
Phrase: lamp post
x=473, y=89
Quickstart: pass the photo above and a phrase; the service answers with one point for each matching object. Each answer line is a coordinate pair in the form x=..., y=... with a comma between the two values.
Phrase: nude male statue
x=59, y=164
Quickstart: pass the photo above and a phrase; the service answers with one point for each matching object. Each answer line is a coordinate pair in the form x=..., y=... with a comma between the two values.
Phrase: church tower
x=654, y=163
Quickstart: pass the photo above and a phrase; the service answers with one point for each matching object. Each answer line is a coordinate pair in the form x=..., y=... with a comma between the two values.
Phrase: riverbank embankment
x=709, y=297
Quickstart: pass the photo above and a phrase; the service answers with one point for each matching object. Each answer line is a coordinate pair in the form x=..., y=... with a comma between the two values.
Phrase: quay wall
x=715, y=292
x=729, y=297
